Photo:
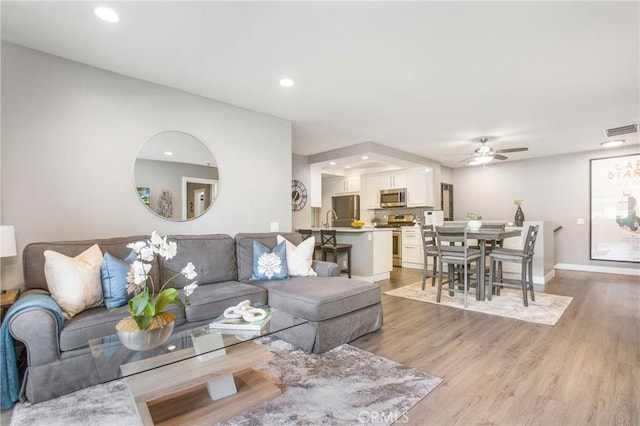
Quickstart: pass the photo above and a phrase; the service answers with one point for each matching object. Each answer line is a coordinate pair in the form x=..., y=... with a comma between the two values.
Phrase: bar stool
x=329, y=243
x=456, y=255
x=430, y=250
x=306, y=233
x=524, y=257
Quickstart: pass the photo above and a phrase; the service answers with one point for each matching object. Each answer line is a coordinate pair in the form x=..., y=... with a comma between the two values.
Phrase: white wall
x=70, y=135
x=554, y=189
x=301, y=219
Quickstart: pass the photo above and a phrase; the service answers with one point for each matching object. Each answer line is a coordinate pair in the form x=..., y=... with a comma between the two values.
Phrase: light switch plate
x=580, y=221
x=275, y=227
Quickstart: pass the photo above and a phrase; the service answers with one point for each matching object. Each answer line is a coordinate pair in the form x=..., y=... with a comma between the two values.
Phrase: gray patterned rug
x=344, y=386
x=547, y=309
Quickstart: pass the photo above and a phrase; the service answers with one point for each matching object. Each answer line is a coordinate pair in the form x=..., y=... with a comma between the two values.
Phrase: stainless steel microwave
x=396, y=197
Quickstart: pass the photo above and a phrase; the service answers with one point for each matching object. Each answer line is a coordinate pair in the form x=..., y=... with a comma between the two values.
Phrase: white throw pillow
x=300, y=258
x=74, y=283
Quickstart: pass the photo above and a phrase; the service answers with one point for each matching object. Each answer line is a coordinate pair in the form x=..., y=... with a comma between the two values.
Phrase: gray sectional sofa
x=338, y=309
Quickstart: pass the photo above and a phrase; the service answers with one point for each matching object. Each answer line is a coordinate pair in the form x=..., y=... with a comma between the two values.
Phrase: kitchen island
x=371, y=254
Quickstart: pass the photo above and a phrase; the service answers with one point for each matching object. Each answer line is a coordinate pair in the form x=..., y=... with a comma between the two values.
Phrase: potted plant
x=148, y=325
x=475, y=221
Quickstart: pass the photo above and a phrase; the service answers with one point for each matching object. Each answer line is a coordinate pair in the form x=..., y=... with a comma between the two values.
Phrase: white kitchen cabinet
x=420, y=187
x=371, y=191
x=342, y=185
x=393, y=180
x=412, y=251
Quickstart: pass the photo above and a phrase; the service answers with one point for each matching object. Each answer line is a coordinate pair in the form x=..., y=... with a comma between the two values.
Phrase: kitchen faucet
x=328, y=222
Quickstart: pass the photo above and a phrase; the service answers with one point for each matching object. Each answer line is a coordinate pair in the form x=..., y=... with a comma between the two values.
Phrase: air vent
x=623, y=130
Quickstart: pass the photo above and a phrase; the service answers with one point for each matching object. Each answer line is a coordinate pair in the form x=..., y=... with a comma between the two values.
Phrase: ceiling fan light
x=480, y=160
x=483, y=150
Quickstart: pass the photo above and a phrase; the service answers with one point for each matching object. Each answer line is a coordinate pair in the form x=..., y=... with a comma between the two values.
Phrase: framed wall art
x=144, y=194
x=615, y=221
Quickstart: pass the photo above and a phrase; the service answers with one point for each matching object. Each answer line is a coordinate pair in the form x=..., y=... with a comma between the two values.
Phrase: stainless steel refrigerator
x=347, y=208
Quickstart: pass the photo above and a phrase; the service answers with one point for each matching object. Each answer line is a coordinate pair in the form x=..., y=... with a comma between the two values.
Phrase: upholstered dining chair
x=524, y=257
x=430, y=251
x=329, y=243
x=453, y=250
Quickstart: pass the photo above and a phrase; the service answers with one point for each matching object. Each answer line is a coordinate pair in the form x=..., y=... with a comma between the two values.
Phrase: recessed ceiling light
x=611, y=144
x=286, y=82
x=333, y=163
x=106, y=14
x=365, y=157
x=168, y=153
x=347, y=167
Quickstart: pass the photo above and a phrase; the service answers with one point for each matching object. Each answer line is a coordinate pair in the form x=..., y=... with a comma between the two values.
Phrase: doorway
x=446, y=200
x=197, y=195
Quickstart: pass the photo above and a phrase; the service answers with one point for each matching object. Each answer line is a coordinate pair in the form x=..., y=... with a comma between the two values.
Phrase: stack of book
x=222, y=323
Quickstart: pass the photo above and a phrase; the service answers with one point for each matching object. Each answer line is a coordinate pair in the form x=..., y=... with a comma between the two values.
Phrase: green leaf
x=166, y=296
x=138, y=303
x=143, y=321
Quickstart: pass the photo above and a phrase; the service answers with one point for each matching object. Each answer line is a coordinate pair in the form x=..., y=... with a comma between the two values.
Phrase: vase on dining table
x=519, y=218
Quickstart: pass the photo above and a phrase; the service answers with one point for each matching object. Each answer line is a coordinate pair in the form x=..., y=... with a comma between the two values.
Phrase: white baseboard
x=371, y=278
x=600, y=269
x=539, y=280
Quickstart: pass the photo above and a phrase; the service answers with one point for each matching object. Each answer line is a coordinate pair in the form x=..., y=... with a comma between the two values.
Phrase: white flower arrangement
x=145, y=307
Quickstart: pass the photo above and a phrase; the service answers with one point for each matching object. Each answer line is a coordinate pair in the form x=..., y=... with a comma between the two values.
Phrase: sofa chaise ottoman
x=338, y=309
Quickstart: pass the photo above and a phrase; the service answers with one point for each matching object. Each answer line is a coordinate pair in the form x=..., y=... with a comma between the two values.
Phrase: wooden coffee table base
x=177, y=393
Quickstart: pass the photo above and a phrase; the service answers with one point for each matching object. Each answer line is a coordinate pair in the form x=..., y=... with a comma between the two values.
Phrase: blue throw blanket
x=10, y=388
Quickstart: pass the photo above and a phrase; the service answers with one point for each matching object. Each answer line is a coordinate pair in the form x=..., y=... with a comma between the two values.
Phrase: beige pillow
x=74, y=283
x=300, y=257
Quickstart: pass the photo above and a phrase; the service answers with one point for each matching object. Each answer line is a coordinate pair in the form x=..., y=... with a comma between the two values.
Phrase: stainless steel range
x=395, y=222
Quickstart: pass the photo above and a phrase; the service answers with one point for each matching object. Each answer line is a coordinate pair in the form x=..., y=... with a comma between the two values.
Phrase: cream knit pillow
x=74, y=283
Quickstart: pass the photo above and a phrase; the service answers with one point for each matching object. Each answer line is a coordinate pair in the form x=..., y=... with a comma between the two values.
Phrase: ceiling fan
x=485, y=153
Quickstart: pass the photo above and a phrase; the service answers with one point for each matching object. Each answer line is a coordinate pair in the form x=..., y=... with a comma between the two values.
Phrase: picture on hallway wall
x=615, y=220
x=144, y=194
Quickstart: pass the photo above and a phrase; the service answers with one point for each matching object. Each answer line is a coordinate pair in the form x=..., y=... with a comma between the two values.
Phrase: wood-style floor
x=585, y=370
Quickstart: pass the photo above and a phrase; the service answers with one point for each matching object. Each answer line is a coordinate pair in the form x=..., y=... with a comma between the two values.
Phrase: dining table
x=484, y=235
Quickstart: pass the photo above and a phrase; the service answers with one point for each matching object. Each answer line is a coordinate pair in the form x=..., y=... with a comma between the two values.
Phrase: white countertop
x=354, y=230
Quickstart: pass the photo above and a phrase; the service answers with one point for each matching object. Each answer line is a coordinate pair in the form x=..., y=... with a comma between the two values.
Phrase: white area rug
x=547, y=309
x=344, y=386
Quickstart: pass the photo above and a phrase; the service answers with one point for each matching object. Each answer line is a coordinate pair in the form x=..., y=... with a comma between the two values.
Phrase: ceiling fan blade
x=467, y=159
x=505, y=151
x=466, y=153
x=499, y=157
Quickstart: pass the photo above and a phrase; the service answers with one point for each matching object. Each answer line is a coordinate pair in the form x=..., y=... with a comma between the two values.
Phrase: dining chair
x=430, y=251
x=329, y=243
x=492, y=244
x=524, y=257
x=307, y=233
x=454, y=251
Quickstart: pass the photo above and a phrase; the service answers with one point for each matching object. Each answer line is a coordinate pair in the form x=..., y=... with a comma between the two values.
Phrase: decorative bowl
x=144, y=340
x=474, y=225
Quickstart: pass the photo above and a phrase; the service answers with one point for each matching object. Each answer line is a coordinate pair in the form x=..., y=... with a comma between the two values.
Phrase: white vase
x=474, y=225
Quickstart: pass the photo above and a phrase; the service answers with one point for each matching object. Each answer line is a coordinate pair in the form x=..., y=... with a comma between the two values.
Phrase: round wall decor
x=298, y=195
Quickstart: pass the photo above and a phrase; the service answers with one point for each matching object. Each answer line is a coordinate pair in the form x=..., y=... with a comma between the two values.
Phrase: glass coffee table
x=200, y=375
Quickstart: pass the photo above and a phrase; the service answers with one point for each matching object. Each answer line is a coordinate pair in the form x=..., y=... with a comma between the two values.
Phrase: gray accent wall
x=70, y=135
x=554, y=189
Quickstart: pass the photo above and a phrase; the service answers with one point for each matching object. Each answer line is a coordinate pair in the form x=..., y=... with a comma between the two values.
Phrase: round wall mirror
x=176, y=176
